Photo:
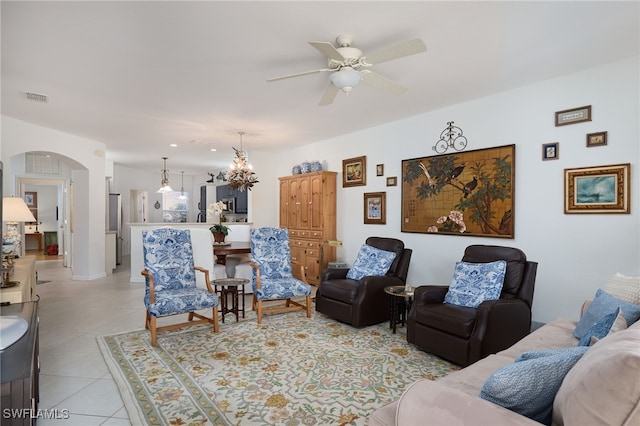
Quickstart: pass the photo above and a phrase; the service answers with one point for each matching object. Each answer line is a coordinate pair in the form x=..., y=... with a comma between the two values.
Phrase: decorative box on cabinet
x=308, y=211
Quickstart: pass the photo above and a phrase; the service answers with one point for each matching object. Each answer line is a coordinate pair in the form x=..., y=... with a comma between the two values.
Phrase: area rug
x=289, y=370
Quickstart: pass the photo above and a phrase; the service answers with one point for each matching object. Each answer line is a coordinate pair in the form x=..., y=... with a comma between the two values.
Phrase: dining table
x=222, y=250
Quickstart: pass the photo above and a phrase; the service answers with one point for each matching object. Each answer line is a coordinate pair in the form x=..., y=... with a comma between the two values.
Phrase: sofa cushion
x=473, y=283
x=608, y=324
x=624, y=288
x=605, y=377
x=371, y=261
x=529, y=385
x=604, y=304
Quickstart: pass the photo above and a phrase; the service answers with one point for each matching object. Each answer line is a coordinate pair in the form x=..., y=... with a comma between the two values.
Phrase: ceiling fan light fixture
x=346, y=79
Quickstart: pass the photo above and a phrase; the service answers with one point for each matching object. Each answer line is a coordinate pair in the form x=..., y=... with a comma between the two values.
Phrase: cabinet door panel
x=315, y=202
x=303, y=199
x=284, y=204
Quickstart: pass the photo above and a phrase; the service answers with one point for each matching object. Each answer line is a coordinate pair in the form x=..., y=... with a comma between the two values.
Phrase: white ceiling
x=141, y=75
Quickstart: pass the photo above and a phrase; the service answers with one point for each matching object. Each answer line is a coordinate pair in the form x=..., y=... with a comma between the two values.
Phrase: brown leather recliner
x=364, y=302
x=464, y=335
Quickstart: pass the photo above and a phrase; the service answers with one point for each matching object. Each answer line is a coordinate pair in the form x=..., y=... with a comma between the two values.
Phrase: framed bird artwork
x=464, y=193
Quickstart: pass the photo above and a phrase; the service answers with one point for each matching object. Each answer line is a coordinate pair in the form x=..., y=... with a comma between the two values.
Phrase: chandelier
x=241, y=176
x=165, y=179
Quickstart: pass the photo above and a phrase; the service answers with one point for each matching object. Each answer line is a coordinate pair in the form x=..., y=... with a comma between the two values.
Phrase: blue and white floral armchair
x=171, y=281
x=272, y=277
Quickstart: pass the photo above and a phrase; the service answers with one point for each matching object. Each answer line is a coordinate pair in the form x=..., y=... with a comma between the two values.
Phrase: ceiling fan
x=349, y=66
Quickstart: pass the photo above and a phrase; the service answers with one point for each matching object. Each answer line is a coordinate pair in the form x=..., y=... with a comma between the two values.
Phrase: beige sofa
x=602, y=388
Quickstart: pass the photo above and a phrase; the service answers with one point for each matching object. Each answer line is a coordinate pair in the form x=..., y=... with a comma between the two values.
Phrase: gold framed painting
x=467, y=193
x=354, y=171
x=601, y=189
x=375, y=208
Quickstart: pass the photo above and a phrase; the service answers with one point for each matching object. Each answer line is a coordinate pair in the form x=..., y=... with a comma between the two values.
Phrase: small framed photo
x=354, y=171
x=31, y=199
x=603, y=189
x=392, y=181
x=550, y=151
x=574, y=115
x=596, y=139
x=375, y=208
x=379, y=169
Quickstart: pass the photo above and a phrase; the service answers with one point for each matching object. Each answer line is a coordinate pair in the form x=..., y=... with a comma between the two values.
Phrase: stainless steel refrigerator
x=115, y=223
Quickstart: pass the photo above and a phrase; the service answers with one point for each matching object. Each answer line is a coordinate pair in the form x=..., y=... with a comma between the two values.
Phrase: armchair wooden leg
x=253, y=303
x=190, y=316
x=153, y=330
x=216, y=325
x=259, y=309
x=308, y=306
x=147, y=320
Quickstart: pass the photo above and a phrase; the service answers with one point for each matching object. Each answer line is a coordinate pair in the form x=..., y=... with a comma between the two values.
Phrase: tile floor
x=73, y=374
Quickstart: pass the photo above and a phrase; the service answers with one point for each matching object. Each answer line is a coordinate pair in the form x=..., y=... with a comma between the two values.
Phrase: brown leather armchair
x=364, y=302
x=464, y=335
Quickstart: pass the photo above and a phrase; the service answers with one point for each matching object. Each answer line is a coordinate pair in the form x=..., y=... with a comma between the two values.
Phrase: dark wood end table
x=401, y=298
x=234, y=288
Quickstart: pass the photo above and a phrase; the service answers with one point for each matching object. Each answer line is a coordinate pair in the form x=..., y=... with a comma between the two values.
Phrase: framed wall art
x=596, y=139
x=464, y=193
x=392, y=181
x=574, y=115
x=31, y=200
x=354, y=171
x=602, y=189
x=380, y=170
x=375, y=208
x=551, y=151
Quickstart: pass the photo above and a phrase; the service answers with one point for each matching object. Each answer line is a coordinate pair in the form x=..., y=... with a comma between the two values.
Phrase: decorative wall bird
x=212, y=178
x=456, y=171
x=470, y=186
x=426, y=173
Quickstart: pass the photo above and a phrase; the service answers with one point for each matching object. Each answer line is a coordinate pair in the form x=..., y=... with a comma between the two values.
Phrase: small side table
x=229, y=287
x=401, y=298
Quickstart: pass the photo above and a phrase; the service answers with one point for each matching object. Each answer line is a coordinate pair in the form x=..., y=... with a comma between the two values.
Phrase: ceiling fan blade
x=383, y=83
x=329, y=95
x=328, y=50
x=395, y=52
x=297, y=74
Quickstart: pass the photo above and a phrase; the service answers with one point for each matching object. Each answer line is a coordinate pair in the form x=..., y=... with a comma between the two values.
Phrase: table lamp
x=15, y=210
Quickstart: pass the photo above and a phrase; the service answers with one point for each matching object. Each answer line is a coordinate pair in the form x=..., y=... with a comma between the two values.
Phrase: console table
x=24, y=272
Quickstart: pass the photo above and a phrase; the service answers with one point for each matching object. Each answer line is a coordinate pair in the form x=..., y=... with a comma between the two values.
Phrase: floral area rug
x=289, y=370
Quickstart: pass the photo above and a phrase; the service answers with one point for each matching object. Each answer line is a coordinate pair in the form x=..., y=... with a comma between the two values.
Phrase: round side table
x=233, y=288
x=400, y=298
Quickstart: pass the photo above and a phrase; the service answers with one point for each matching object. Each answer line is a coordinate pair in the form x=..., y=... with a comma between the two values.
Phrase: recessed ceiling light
x=173, y=145
x=212, y=149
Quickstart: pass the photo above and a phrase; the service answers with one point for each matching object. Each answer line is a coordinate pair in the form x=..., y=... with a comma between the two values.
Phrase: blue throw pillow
x=529, y=385
x=371, y=261
x=473, y=283
x=604, y=304
x=599, y=329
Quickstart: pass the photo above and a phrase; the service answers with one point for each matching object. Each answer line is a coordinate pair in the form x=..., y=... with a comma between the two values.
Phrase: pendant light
x=182, y=196
x=241, y=176
x=165, y=179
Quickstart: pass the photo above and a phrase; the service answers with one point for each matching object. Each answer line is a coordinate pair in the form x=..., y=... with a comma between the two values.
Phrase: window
x=175, y=206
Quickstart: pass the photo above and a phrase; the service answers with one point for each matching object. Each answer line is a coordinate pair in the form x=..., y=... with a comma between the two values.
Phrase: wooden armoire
x=308, y=211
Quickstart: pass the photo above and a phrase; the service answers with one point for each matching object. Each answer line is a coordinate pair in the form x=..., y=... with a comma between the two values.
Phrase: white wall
x=86, y=159
x=576, y=253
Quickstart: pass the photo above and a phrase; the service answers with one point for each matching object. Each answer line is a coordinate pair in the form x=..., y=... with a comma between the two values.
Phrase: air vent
x=36, y=97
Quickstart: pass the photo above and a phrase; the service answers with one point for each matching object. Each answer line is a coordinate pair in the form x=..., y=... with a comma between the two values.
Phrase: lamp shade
x=346, y=79
x=14, y=209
